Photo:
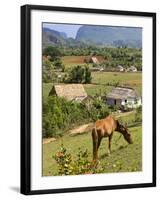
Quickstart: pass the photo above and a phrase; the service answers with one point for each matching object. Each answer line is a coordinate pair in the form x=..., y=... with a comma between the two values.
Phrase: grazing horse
x=105, y=128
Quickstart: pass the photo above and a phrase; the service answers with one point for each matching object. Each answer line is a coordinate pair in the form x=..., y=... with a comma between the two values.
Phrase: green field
x=123, y=158
x=100, y=82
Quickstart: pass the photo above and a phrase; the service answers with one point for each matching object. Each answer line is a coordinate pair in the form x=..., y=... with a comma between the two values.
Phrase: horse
x=105, y=128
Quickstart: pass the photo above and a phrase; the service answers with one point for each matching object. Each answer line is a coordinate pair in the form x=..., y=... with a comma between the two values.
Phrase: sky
x=69, y=29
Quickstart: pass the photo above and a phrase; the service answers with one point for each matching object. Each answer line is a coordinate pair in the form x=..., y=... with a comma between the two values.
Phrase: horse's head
x=125, y=133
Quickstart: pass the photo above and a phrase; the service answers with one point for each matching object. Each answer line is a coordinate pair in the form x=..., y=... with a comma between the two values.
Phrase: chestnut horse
x=105, y=128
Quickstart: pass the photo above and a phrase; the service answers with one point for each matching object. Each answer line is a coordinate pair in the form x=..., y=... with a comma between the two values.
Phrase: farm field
x=123, y=158
x=77, y=60
x=100, y=81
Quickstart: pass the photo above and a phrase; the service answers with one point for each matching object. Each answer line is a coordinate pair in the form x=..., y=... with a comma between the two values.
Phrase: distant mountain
x=95, y=35
x=52, y=37
x=113, y=36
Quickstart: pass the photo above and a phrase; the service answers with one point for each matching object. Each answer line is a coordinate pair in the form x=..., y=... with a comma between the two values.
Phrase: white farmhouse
x=132, y=69
x=124, y=96
x=120, y=68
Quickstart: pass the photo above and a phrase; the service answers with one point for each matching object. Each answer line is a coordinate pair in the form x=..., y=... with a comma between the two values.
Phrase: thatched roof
x=122, y=93
x=69, y=91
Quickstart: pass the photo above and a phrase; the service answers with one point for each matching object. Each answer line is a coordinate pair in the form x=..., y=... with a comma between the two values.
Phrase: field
x=124, y=157
x=101, y=82
x=77, y=60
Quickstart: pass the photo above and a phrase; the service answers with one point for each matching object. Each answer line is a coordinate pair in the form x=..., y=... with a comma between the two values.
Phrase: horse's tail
x=95, y=143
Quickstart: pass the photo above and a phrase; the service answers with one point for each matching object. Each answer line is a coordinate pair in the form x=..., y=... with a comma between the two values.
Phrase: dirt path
x=85, y=127
x=48, y=140
x=81, y=129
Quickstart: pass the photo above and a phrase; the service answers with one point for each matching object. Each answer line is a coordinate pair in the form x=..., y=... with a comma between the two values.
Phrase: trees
x=88, y=76
x=79, y=74
x=52, y=60
x=53, y=52
x=48, y=74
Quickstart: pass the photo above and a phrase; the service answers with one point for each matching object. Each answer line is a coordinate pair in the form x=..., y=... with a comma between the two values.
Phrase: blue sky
x=69, y=29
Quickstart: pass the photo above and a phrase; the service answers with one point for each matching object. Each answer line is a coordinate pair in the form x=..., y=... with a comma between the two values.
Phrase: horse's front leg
x=109, y=144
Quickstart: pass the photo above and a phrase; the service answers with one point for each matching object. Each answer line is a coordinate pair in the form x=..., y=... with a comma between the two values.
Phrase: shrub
x=98, y=109
x=79, y=74
x=138, y=114
x=67, y=165
x=59, y=114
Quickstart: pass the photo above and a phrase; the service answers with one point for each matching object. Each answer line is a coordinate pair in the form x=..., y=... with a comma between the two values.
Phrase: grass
x=100, y=81
x=123, y=158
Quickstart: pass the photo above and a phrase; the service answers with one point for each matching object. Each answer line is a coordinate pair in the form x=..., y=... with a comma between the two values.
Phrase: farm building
x=120, y=68
x=124, y=96
x=94, y=60
x=72, y=92
x=132, y=69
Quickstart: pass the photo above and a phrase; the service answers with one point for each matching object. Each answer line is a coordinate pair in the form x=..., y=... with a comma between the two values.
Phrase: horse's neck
x=118, y=127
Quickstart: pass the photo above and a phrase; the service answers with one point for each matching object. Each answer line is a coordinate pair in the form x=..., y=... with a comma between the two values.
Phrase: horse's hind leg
x=95, y=144
x=99, y=142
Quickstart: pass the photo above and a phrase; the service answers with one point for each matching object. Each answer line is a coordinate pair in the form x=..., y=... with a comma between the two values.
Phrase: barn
x=124, y=96
x=71, y=92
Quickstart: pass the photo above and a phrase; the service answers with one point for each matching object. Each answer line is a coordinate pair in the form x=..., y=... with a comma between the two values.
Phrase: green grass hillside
x=123, y=158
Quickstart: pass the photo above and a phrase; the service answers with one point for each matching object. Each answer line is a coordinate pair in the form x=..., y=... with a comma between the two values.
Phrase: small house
x=71, y=92
x=132, y=69
x=94, y=60
x=125, y=97
x=120, y=68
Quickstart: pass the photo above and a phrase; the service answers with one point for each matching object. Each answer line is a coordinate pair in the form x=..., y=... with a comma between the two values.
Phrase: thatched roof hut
x=69, y=91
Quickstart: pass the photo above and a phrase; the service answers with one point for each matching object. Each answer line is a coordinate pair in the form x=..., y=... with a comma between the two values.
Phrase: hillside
x=60, y=39
x=113, y=36
x=52, y=37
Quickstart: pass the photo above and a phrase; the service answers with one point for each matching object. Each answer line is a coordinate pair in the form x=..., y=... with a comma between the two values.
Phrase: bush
x=98, y=109
x=138, y=114
x=49, y=76
x=79, y=74
x=79, y=165
x=59, y=114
